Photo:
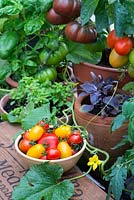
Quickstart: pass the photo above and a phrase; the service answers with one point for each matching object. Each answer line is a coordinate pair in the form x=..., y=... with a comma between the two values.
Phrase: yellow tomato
x=63, y=131
x=65, y=149
x=117, y=60
x=35, y=133
x=36, y=151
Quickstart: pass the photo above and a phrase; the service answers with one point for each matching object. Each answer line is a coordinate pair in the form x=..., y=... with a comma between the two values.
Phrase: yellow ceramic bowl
x=66, y=163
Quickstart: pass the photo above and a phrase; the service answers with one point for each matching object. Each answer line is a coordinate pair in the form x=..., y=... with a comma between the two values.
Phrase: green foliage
x=108, y=12
x=42, y=182
x=31, y=94
x=122, y=169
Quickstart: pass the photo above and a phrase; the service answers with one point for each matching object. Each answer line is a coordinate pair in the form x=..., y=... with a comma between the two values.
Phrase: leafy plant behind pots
x=102, y=96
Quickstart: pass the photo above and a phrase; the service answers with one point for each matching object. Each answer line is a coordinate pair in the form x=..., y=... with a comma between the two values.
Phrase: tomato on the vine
x=130, y=70
x=67, y=7
x=24, y=145
x=35, y=133
x=48, y=73
x=36, y=151
x=111, y=39
x=78, y=33
x=117, y=60
x=131, y=56
x=123, y=46
x=65, y=149
x=53, y=154
x=63, y=131
x=55, y=18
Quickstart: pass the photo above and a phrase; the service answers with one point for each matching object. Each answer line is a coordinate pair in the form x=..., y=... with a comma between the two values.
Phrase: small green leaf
x=41, y=182
x=118, y=122
x=131, y=132
x=128, y=108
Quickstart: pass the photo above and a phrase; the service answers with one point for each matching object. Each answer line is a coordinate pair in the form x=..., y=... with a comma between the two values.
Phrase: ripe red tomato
x=53, y=154
x=75, y=138
x=24, y=145
x=44, y=124
x=123, y=46
x=50, y=140
x=111, y=39
x=25, y=134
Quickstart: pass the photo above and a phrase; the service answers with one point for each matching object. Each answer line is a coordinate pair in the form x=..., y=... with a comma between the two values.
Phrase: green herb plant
x=120, y=175
x=31, y=94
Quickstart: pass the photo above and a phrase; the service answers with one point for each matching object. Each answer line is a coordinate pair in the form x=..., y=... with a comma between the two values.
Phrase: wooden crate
x=12, y=169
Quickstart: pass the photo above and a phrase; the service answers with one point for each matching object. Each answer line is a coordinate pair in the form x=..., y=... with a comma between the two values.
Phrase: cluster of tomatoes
x=66, y=12
x=122, y=53
x=48, y=143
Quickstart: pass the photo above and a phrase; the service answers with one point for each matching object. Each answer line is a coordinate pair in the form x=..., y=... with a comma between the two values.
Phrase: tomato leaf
x=88, y=8
x=118, y=122
x=41, y=182
x=80, y=53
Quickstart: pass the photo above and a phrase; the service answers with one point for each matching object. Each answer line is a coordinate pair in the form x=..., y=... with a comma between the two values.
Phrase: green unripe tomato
x=130, y=70
x=131, y=56
x=48, y=73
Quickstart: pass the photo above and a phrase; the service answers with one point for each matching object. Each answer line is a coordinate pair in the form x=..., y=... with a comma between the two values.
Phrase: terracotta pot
x=82, y=73
x=99, y=130
x=3, y=102
x=11, y=82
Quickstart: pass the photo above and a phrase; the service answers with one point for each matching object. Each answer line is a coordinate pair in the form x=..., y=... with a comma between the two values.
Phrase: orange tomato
x=24, y=145
x=111, y=39
x=63, y=131
x=117, y=60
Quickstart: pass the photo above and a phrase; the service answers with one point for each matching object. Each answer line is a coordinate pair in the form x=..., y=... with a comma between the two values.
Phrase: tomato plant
x=65, y=149
x=53, y=154
x=123, y=46
x=117, y=60
x=111, y=39
x=35, y=133
x=67, y=7
x=48, y=73
x=63, y=131
x=55, y=18
x=36, y=151
x=50, y=140
x=82, y=34
x=24, y=145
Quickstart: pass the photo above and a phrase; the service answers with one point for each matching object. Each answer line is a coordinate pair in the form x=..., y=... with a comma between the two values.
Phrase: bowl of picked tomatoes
x=61, y=145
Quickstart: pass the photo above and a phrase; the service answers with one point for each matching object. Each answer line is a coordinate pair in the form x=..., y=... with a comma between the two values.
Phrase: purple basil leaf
x=87, y=108
x=92, y=74
x=107, y=88
x=88, y=87
x=95, y=98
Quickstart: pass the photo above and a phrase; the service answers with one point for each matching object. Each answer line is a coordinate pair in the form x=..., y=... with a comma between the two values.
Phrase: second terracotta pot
x=82, y=73
x=99, y=130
